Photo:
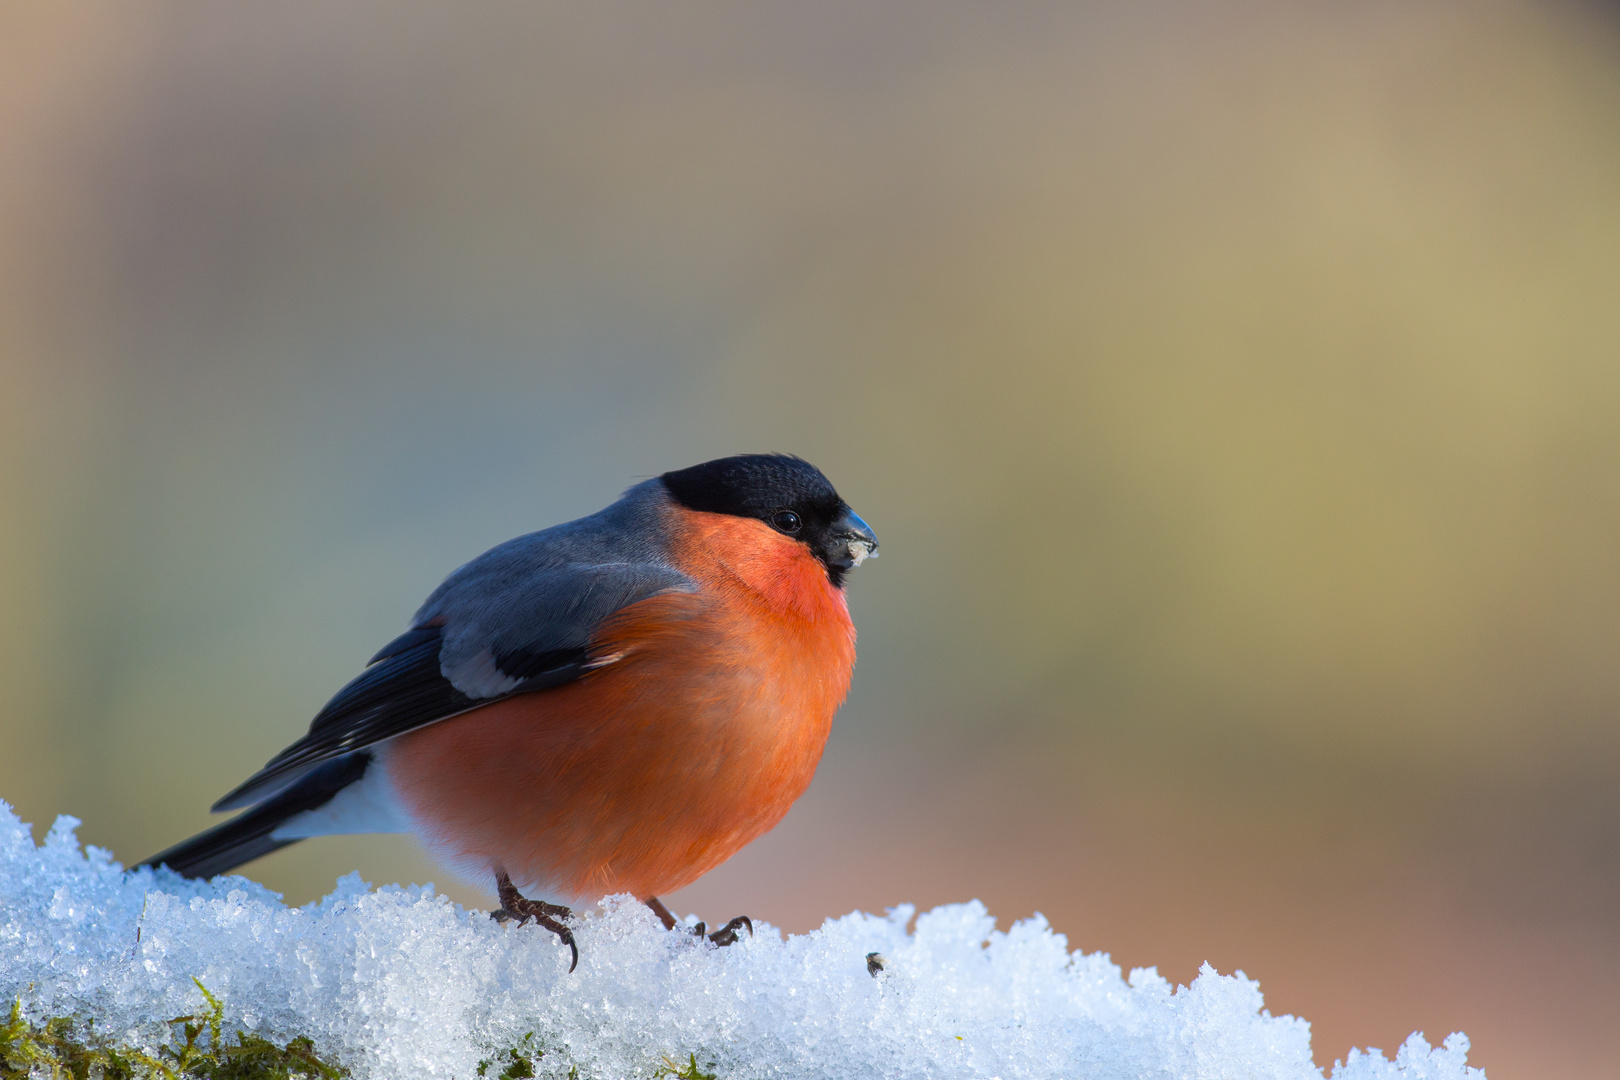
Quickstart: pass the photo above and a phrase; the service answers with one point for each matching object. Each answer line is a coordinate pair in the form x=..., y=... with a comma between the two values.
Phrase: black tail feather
x=247, y=836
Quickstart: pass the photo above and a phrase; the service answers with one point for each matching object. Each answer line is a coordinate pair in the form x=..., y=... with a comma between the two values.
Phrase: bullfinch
x=615, y=704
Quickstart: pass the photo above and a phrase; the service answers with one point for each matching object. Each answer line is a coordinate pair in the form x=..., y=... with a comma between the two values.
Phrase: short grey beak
x=853, y=539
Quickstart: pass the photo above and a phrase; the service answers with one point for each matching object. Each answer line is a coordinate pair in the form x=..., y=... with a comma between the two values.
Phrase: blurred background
x=1234, y=388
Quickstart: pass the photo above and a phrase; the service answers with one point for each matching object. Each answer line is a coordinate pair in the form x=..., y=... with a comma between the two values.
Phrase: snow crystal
x=398, y=982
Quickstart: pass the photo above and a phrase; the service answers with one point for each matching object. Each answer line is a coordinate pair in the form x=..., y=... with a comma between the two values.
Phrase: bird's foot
x=726, y=935
x=514, y=905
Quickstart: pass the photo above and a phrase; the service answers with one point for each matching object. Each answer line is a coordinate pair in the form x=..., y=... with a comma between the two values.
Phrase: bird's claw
x=727, y=934
x=514, y=905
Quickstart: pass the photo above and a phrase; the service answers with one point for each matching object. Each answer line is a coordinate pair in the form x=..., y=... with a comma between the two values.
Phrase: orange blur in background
x=1234, y=389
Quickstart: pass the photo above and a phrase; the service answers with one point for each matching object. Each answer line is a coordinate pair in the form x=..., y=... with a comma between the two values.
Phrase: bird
x=616, y=704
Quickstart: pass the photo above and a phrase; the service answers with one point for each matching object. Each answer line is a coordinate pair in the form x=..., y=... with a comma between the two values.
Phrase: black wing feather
x=247, y=836
x=402, y=692
x=529, y=627
x=409, y=639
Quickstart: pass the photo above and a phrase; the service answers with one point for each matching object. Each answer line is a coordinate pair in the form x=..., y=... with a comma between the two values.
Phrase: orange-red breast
x=616, y=704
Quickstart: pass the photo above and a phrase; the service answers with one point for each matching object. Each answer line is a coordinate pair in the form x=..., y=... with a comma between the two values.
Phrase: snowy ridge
x=400, y=982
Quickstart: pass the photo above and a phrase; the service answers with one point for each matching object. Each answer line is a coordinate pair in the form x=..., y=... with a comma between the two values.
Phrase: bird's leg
x=668, y=919
x=661, y=911
x=514, y=905
x=726, y=935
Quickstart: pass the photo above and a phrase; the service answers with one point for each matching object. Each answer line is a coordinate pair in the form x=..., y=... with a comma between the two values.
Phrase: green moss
x=64, y=1048
x=196, y=1051
x=689, y=1071
x=520, y=1060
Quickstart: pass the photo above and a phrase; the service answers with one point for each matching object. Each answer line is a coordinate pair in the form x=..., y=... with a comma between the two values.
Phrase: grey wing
x=495, y=628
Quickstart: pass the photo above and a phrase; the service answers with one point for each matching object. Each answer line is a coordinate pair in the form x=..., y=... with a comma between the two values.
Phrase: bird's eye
x=786, y=520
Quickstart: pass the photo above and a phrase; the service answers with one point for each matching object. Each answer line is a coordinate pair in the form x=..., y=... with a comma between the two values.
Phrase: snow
x=397, y=982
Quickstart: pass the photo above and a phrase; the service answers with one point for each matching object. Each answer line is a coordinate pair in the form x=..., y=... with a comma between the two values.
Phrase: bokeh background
x=1235, y=389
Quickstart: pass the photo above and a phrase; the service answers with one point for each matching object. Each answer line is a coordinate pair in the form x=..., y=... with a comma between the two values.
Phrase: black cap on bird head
x=787, y=493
